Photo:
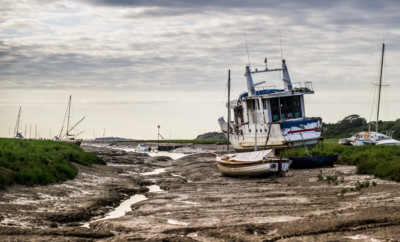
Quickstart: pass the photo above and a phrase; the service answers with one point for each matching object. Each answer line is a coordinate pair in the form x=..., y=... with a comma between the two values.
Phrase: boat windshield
x=285, y=108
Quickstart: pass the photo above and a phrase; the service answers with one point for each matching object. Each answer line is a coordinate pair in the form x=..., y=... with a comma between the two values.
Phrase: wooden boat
x=313, y=161
x=255, y=163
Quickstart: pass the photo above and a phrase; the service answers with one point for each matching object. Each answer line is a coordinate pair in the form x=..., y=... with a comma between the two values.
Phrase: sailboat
x=18, y=135
x=256, y=163
x=371, y=137
x=266, y=117
x=67, y=136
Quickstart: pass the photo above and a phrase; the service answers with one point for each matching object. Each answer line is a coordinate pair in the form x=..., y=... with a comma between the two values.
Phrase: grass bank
x=31, y=162
x=380, y=161
x=182, y=141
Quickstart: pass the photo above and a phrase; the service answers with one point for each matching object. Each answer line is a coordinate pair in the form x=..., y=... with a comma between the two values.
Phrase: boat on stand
x=266, y=117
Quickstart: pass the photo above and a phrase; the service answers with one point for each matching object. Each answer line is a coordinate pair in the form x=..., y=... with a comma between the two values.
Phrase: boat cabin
x=269, y=108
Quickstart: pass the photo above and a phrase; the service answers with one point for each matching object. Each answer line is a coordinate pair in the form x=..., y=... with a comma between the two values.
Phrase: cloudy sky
x=133, y=65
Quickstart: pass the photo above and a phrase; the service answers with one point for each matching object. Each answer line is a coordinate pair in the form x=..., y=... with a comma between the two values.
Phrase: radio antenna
x=248, y=56
x=280, y=40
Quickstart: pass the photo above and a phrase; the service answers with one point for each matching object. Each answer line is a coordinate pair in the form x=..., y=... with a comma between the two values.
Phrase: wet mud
x=191, y=201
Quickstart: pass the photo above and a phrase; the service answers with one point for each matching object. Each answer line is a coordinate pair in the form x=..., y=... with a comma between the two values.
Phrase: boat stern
x=302, y=132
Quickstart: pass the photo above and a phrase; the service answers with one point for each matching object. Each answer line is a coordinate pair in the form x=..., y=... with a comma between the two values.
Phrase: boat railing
x=303, y=87
x=265, y=87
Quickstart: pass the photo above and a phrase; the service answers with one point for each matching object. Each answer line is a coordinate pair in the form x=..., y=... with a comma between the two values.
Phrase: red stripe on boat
x=299, y=131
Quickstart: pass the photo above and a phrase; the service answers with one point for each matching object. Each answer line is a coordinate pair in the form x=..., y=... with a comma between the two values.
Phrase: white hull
x=256, y=170
x=252, y=163
x=294, y=136
x=371, y=138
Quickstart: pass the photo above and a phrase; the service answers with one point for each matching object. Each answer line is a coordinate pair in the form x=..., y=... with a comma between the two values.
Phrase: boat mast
x=229, y=107
x=380, y=87
x=17, y=124
x=69, y=112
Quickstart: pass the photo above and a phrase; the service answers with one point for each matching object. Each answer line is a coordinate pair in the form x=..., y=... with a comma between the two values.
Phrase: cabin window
x=285, y=108
x=253, y=104
x=238, y=113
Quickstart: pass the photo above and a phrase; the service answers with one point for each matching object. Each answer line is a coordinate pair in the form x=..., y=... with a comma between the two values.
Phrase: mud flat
x=196, y=203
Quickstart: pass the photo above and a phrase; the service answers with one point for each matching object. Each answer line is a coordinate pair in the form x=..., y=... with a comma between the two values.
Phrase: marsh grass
x=380, y=161
x=183, y=141
x=31, y=162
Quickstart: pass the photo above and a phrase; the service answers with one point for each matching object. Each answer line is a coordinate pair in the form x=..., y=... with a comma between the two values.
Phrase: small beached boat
x=255, y=163
x=313, y=161
x=142, y=148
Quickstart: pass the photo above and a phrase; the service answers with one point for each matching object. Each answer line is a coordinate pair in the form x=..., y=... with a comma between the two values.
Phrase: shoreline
x=197, y=203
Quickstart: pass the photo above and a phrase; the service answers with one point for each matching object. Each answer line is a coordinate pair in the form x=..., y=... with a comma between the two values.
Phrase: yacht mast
x=229, y=106
x=380, y=87
x=69, y=115
x=17, y=124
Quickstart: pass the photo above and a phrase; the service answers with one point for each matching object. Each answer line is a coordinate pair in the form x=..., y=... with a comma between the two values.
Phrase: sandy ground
x=196, y=203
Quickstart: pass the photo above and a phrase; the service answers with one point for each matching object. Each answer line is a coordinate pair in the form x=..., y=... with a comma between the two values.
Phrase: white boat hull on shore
x=252, y=164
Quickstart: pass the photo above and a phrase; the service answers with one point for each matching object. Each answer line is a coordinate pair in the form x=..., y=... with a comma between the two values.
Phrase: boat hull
x=313, y=161
x=281, y=135
x=254, y=168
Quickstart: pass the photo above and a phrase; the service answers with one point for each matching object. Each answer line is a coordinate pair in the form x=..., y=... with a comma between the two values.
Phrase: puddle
x=155, y=172
x=176, y=175
x=362, y=238
x=121, y=210
x=173, y=156
x=171, y=221
x=125, y=206
x=155, y=188
x=276, y=219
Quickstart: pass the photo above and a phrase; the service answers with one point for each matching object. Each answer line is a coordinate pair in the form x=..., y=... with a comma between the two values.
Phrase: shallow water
x=125, y=206
x=173, y=156
x=155, y=172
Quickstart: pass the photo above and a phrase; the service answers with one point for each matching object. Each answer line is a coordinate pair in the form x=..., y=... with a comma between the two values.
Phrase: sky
x=133, y=65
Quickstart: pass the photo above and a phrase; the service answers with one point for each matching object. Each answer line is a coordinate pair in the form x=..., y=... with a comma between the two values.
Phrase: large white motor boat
x=267, y=118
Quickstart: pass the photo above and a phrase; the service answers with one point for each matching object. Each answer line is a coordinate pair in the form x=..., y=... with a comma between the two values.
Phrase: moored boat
x=255, y=163
x=267, y=118
x=313, y=161
x=370, y=137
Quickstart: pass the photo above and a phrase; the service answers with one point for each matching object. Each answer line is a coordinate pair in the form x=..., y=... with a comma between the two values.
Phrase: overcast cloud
x=165, y=62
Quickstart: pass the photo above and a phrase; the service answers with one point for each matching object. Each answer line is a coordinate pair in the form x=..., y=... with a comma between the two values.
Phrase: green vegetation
x=380, y=161
x=353, y=124
x=212, y=136
x=31, y=162
x=359, y=185
x=184, y=141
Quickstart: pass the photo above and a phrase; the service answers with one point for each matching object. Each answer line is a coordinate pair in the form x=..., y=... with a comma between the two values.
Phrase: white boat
x=370, y=137
x=18, y=135
x=67, y=136
x=345, y=141
x=142, y=148
x=271, y=118
x=255, y=163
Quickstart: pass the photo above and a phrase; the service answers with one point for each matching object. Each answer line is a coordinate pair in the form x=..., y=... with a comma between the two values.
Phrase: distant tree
x=212, y=136
x=352, y=121
x=345, y=127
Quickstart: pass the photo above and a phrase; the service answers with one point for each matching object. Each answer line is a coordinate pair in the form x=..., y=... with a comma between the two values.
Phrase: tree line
x=353, y=124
